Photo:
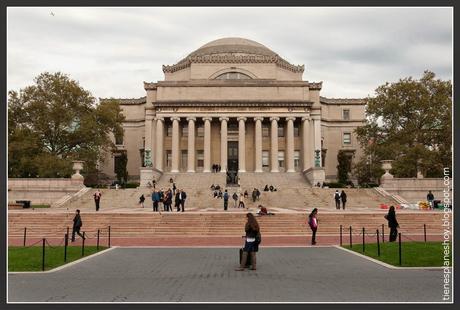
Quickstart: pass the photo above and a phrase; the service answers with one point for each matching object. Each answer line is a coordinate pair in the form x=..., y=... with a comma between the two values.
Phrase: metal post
x=67, y=231
x=25, y=236
x=66, y=243
x=364, y=240
x=383, y=233
x=83, y=245
x=378, y=243
x=340, y=235
x=424, y=231
x=97, y=246
x=399, y=237
x=351, y=242
x=43, y=255
x=109, y=236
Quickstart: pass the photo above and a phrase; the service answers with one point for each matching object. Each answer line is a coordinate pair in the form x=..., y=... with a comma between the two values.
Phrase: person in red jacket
x=313, y=223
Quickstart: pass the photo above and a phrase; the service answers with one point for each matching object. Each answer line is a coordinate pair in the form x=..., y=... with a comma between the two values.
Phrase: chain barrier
x=31, y=245
x=54, y=246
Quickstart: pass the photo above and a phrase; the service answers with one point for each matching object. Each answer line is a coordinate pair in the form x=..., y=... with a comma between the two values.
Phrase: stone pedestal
x=147, y=174
x=76, y=178
x=315, y=175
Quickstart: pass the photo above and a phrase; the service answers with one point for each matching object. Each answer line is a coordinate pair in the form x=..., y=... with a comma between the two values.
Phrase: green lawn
x=30, y=258
x=414, y=254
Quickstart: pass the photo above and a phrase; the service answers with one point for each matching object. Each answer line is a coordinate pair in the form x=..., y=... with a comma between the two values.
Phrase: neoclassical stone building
x=236, y=103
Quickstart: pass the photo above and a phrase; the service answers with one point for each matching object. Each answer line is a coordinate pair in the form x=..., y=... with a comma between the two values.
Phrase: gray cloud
x=111, y=51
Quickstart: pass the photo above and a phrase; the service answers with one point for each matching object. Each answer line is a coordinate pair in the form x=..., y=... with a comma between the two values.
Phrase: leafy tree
x=54, y=122
x=343, y=167
x=120, y=168
x=409, y=121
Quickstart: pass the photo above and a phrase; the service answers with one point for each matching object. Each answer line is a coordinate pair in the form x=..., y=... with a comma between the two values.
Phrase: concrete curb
x=385, y=264
x=65, y=265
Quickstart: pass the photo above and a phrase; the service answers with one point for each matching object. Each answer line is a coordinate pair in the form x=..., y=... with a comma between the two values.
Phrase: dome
x=233, y=46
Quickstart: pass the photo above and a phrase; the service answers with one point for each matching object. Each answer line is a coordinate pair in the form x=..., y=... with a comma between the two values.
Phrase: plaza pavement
x=289, y=274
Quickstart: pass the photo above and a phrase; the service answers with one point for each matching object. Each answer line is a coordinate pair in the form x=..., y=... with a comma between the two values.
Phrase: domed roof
x=233, y=46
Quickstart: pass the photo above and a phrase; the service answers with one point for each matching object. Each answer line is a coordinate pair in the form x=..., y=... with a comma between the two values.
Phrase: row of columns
x=307, y=136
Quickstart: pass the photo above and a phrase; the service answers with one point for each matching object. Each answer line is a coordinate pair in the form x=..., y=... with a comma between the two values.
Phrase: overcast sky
x=111, y=51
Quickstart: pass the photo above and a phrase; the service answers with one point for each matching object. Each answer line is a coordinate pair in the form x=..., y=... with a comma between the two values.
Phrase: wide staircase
x=218, y=225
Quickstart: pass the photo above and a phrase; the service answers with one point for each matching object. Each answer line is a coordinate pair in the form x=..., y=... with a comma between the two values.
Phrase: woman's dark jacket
x=391, y=218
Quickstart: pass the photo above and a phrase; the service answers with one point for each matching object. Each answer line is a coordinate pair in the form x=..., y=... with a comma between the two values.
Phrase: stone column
x=241, y=144
x=306, y=149
x=274, y=144
x=223, y=143
x=317, y=135
x=258, y=143
x=175, y=145
x=191, y=145
x=207, y=144
x=160, y=143
x=290, y=144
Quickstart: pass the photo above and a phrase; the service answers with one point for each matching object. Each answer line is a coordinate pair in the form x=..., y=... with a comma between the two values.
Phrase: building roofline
x=356, y=101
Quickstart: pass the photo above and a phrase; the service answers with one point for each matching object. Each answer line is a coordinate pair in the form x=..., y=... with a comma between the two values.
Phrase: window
x=280, y=130
x=281, y=159
x=200, y=131
x=185, y=131
x=296, y=131
x=233, y=76
x=346, y=138
x=168, y=158
x=200, y=158
x=119, y=138
x=265, y=131
x=346, y=114
x=296, y=159
x=169, y=131
x=265, y=158
x=117, y=162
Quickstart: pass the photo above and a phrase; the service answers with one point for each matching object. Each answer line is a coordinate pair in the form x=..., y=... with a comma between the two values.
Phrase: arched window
x=233, y=76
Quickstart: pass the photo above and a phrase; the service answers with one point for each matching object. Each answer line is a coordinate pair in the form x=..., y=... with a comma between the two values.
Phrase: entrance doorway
x=232, y=162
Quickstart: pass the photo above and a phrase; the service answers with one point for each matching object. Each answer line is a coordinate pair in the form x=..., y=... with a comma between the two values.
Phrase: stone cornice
x=337, y=101
x=231, y=58
x=232, y=103
x=233, y=83
x=126, y=101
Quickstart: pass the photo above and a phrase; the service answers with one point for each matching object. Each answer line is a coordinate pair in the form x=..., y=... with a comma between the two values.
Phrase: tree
x=54, y=122
x=343, y=167
x=409, y=121
x=120, y=168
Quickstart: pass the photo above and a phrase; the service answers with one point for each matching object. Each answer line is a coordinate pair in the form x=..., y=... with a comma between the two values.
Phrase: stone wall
x=413, y=189
x=42, y=191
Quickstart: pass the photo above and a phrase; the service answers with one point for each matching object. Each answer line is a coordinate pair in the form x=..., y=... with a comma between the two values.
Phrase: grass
x=30, y=258
x=414, y=254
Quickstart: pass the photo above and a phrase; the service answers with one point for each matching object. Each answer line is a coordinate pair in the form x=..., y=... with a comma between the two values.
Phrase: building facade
x=235, y=103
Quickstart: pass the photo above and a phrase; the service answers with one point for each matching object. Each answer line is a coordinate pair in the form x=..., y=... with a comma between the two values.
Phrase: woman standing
x=251, y=244
x=241, y=204
x=313, y=223
x=392, y=223
x=141, y=200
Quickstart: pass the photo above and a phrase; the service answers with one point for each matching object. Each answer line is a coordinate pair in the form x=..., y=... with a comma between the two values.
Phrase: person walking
x=97, y=199
x=343, y=197
x=168, y=202
x=337, y=199
x=313, y=223
x=77, y=223
x=182, y=198
x=177, y=201
x=156, y=200
x=254, y=195
x=241, y=204
x=252, y=241
x=225, y=200
x=392, y=223
x=141, y=200
x=235, y=199
x=430, y=198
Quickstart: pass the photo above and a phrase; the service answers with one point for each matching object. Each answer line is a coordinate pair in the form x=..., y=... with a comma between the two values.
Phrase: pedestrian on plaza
x=251, y=244
x=177, y=201
x=141, y=200
x=235, y=199
x=77, y=224
x=313, y=223
x=225, y=200
x=174, y=188
x=337, y=199
x=254, y=195
x=258, y=194
x=343, y=197
x=97, y=199
x=182, y=198
x=271, y=188
x=246, y=194
x=155, y=199
x=168, y=203
x=162, y=197
x=430, y=198
x=220, y=195
x=392, y=223
x=241, y=204
x=219, y=168
x=154, y=182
